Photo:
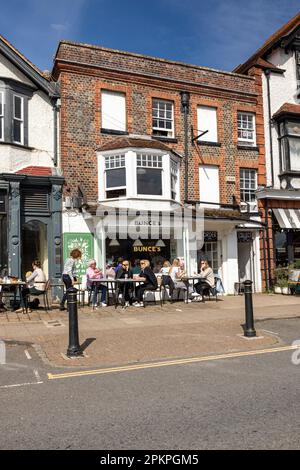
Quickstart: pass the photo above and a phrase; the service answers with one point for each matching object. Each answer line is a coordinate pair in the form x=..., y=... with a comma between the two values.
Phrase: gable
x=9, y=70
x=14, y=63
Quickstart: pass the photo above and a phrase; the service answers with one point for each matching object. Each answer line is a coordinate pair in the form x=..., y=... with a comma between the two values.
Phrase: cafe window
x=149, y=174
x=289, y=138
x=162, y=118
x=115, y=173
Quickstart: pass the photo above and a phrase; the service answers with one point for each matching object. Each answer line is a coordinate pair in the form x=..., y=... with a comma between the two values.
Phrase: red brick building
x=140, y=132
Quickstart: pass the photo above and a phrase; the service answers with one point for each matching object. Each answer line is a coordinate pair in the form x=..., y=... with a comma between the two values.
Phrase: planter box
x=277, y=290
x=285, y=290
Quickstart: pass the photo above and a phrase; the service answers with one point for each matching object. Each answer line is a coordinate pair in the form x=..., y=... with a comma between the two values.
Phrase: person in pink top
x=95, y=274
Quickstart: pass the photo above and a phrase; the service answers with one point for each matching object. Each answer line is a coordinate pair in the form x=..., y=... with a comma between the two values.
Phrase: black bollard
x=74, y=346
x=249, y=326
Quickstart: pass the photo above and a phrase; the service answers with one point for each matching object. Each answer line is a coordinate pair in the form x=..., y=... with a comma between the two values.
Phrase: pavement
x=114, y=337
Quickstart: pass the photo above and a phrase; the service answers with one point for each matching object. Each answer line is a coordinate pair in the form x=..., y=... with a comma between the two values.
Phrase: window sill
x=248, y=147
x=209, y=144
x=113, y=132
x=161, y=138
x=13, y=144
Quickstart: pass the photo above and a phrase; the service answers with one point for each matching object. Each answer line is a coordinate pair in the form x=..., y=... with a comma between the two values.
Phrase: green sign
x=85, y=243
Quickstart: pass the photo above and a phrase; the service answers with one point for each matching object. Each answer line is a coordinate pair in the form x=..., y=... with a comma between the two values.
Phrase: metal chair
x=43, y=293
x=158, y=289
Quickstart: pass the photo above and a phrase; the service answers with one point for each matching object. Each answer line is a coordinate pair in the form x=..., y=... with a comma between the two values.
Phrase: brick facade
x=83, y=71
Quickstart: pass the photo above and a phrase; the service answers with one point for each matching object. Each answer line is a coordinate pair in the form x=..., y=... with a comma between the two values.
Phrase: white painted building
x=278, y=61
x=30, y=185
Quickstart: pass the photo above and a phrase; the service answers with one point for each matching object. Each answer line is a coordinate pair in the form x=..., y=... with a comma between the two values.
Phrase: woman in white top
x=176, y=274
x=165, y=268
x=36, y=282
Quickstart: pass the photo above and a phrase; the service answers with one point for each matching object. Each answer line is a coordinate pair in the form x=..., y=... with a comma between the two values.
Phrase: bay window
x=18, y=119
x=1, y=115
x=174, y=180
x=139, y=173
x=14, y=100
x=149, y=174
x=115, y=173
x=289, y=138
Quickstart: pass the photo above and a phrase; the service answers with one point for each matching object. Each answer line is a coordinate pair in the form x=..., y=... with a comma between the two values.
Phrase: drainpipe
x=270, y=282
x=56, y=106
x=185, y=98
x=268, y=73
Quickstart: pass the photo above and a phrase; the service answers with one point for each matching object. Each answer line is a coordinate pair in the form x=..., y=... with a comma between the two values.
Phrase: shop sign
x=244, y=237
x=147, y=223
x=210, y=236
x=147, y=249
x=85, y=243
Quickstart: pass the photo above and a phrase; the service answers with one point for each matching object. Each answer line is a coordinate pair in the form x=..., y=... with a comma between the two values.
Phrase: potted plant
x=281, y=280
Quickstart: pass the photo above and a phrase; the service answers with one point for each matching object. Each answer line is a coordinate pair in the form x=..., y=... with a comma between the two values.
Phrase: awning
x=288, y=218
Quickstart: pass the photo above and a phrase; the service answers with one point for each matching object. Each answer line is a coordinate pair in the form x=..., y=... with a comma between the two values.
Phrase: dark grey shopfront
x=30, y=223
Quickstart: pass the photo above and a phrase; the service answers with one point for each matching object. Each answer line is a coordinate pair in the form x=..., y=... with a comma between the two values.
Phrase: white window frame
x=21, y=120
x=170, y=132
x=248, y=190
x=212, y=134
x=112, y=162
x=245, y=141
x=116, y=124
x=2, y=116
x=152, y=161
x=174, y=175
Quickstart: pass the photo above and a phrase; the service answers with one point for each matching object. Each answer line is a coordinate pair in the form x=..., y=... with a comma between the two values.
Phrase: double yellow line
x=153, y=365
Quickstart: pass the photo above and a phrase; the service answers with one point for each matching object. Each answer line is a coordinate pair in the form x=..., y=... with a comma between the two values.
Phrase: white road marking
x=272, y=332
x=20, y=385
x=27, y=354
x=37, y=375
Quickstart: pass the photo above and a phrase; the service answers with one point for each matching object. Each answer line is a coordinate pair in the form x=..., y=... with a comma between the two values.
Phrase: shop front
x=30, y=224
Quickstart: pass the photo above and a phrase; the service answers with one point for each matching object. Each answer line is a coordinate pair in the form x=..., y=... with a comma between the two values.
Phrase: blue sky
x=213, y=33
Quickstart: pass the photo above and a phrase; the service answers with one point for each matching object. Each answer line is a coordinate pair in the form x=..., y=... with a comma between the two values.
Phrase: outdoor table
x=17, y=288
x=186, y=280
x=117, y=281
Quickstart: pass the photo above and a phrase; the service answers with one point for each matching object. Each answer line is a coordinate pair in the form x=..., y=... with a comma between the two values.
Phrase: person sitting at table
x=136, y=267
x=125, y=272
x=69, y=273
x=110, y=271
x=36, y=282
x=148, y=279
x=176, y=273
x=165, y=268
x=95, y=274
x=207, y=279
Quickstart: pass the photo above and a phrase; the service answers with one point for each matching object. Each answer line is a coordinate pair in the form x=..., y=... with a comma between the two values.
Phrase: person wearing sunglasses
x=148, y=279
x=207, y=279
x=125, y=272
